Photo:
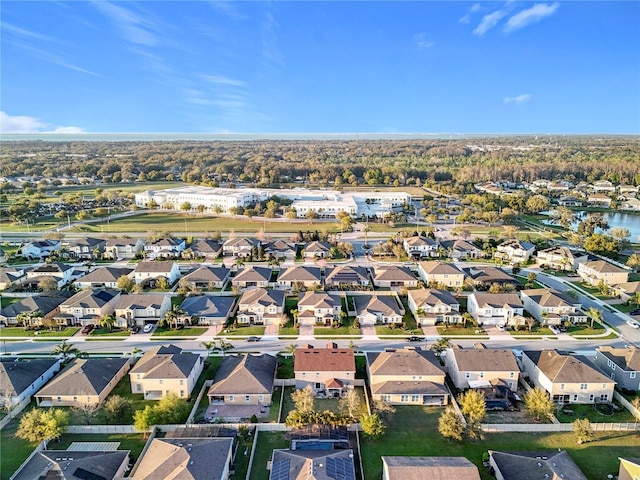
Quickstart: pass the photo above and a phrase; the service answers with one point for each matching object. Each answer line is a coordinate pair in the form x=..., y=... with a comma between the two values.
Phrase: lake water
x=630, y=221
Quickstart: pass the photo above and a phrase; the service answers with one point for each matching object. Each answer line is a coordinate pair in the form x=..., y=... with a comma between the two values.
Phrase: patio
x=234, y=412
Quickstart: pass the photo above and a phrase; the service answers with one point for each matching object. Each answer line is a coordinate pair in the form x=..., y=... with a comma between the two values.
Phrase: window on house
x=632, y=375
x=231, y=398
x=467, y=375
x=247, y=398
x=261, y=398
x=181, y=382
x=404, y=398
x=583, y=386
x=182, y=393
x=415, y=398
x=575, y=398
x=562, y=386
x=604, y=397
x=161, y=381
x=511, y=374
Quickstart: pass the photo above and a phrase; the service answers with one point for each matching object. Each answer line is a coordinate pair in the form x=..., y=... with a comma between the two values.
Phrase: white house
x=494, y=308
x=39, y=248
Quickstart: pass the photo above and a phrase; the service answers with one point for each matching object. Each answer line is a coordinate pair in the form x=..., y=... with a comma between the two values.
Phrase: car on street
x=148, y=327
x=253, y=339
x=635, y=312
x=414, y=338
x=633, y=324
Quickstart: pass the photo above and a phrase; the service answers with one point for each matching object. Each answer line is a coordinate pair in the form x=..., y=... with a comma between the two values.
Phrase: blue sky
x=332, y=67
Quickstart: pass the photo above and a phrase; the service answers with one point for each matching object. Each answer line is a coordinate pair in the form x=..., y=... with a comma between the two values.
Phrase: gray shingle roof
x=244, y=374
x=486, y=359
x=170, y=366
x=207, y=274
x=136, y=301
x=625, y=358
x=562, y=368
x=84, y=377
x=300, y=273
x=91, y=299
x=550, y=465
x=253, y=274
x=104, y=275
x=404, y=362
x=17, y=376
x=432, y=297
x=205, y=305
x=376, y=304
x=30, y=304
x=74, y=465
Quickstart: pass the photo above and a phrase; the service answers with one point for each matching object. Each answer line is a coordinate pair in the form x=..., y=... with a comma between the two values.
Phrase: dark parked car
x=253, y=339
x=634, y=312
x=414, y=339
x=86, y=330
x=135, y=329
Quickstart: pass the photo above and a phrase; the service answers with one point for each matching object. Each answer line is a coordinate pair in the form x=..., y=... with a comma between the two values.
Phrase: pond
x=630, y=221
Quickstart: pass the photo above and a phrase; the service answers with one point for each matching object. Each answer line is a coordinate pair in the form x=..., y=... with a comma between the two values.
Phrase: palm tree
x=209, y=346
x=172, y=315
x=595, y=314
x=441, y=345
x=108, y=321
x=224, y=346
x=67, y=350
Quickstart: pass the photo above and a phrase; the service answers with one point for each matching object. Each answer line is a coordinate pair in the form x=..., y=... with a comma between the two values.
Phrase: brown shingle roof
x=404, y=361
x=625, y=358
x=486, y=359
x=437, y=267
x=432, y=468
x=561, y=368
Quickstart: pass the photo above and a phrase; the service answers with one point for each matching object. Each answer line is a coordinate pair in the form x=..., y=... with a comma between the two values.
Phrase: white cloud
x=133, y=27
x=26, y=124
x=422, y=42
x=524, y=98
x=467, y=17
x=222, y=80
x=530, y=15
x=489, y=21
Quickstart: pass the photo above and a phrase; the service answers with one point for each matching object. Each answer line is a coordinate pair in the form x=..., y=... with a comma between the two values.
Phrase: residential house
x=604, y=186
x=207, y=278
x=378, y=309
x=621, y=364
x=626, y=291
x=243, y=380
x=241, y=247
x=317, y=250
x=261, y=307
x=186, y=458
x=123, y=248
x=390, y=276
x=461, y=250
x=431, y=306
x=601, y=271
x=327, y=463
x=205, y=248
x=470, y=366
x=318, y=308
x=329, y=371
x=280, y=249
x=169, y=247
x=569, y=201
x=627, y=189
x=437, y=273
x=208, y=310
x=39, y=249
x=629, y=468
x=75, y=465
x=87, y=307
x=515, y=251
x=83, y=382
x=421, y=247
x=300, y=277
x=252, y=276
x=103, y=277
x=483, y=277
x=407, y=376
x=432, y=468
x=567, y=378
x=494, y=308
x=142, y=308
x=630, y=204
x=148, y=273
x=561, y=258
x=166, y=369
x=599, y=199
x=20, y=380
x=551, y=307
x=552, y=465
x=62, y=274
x=345, y=276
x=10, y=276
x=46, y=304
x=86, y=248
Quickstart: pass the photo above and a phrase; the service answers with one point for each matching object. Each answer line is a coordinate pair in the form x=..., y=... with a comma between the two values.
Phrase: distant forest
x=455, y=163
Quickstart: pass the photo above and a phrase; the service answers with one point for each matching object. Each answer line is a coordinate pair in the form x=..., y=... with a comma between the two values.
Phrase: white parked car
x=633, y=324
x=148, y=327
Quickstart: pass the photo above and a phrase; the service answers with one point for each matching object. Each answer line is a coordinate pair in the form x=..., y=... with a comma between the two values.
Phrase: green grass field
x=182, y=332
x=9, y=332
x=266, y=443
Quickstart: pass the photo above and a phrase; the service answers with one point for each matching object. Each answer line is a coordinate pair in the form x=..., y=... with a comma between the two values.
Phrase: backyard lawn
x=266, y=443
x=414, y=431
x=594, y=415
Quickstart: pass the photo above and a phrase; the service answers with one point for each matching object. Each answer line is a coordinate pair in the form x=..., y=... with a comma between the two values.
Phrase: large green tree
x=450, y=424
x=39, y=424
x=538, y=404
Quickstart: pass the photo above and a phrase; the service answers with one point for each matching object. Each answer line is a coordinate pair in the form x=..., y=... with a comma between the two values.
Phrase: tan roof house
x=139, y=309
x=432, y=468
x=83, y=382
x=599, y=270
x=166, y=369
x=318, y=308
x=551, y=465
x=567, y=378
x=561, y=258
x=300, y=277
x=325, y=464
x=261, y=307
x=252, y=276
x=441, y=274
x=461, y=249
x=407, y=376
x=243, y=380
x=626, y=290
x=378, y=309
x=123, y=247
x=431, y=306
x=329, y=371
x=204, y=248
x=389, y=276
x=495, y=308
x=316, y=250
x=346, y=275
x=148, y=272
x=629, y=468
x=207, y=278
x=551, y=307
x=103, y=277
x=621, y=365
x=468, y=365
x=240, y=246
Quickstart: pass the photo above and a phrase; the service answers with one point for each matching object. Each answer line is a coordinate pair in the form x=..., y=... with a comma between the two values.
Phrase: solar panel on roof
x=340, y=468
x=280, y=470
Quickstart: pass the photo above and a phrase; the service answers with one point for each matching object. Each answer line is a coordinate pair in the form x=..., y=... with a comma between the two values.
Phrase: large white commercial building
x=326, y=203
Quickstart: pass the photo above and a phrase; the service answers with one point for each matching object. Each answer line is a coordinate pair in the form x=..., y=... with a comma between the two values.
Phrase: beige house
x=147, y=273
x=378, y=309
x=163, y=370
x=629, y=468
x=515, y=251
x=407, y=376
x=123, y=247
x=441, y=274
x=346, y=275
x=561, y=258
x=495, y=308
x=139, y=309
x=83, y=382
x=419, y=247
x=316, y=250
x=461, y=249
x=626, y=290
x=329, y=371
x=103, y=277
x=88, y=307
x=207, y=278
x=595, y=272
x=318, y=308
x=468, y=365
x=261, y=307
x=551, y=307
x=431, y=306
x=389, y=276
x=300, y=276
x=431, y=468
x=243, y=380
x=252, y=276
x=567, y=378
x=240, y=246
